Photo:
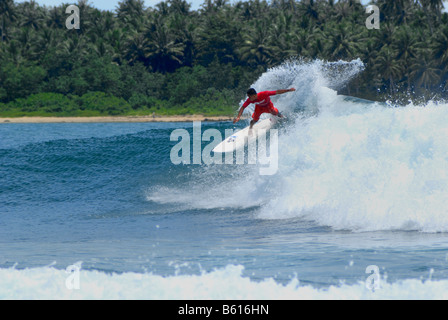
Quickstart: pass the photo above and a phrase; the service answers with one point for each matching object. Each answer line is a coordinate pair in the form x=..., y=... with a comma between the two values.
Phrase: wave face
x=346, y=163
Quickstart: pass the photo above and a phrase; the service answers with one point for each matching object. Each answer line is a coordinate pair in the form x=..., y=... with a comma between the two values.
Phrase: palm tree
x=56, y=17
x=117, y=40
x=434, y=5
x=308, y=8
x=131, y=12
x=8, y=14
x=73, y=48
x=25, y=38
x=285, y=5
x=301, y=41
x=316, y=47
x=369, y=55
x=256, y=48
x=384, y=36
x=45, y=40
x=135, y=47
x=440, y=47
x=181, y=7
x=100, y=24
x=185, y=31
x=102, y=48
x=424, y=71
x=12, y=52
x=406, y=45
x=392, y=10
x=342, y=10
x=254, y=9
x=32, y=15
x=341, y=42
x=218, y=35
x=282, y=36
x=432, y=8
x=162, y=50
x=410, y=8
x=388, y=66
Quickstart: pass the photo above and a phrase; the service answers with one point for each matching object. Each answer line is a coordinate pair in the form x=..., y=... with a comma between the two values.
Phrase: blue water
x=357, y=185
x=78, y=192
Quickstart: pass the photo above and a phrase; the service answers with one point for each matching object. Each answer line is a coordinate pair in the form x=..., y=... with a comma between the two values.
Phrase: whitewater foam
x=308, y=78
x=221, y=284
x=380, y=169
x=343, y=163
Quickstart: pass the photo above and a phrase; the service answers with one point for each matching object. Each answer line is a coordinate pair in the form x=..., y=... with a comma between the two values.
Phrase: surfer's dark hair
x=251, y=92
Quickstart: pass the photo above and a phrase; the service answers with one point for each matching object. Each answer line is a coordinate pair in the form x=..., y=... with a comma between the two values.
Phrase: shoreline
x=111, y=119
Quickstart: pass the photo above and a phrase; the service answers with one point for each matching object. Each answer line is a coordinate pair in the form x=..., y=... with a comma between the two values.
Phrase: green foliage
x=19, y=81
x=137, y=79
x=186, y=82
x=46, y=103
x=3, y=107
x=103, y=103
x=169, y=59
x=213, y=102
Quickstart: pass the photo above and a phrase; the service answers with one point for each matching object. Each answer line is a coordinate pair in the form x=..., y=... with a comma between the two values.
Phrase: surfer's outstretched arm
x=284, y=91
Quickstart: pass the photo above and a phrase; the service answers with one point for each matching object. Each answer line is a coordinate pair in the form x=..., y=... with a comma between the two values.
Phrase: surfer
x=263, y=104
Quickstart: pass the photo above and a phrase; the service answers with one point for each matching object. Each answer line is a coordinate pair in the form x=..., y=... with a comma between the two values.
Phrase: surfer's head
x=252, y=94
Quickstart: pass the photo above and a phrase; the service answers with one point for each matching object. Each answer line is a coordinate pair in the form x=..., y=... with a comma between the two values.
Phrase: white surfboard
x=240, y=138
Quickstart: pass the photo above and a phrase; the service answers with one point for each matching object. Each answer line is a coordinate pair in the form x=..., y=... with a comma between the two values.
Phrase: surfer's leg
x=273, y=110
x=255, y=118
x=252, y=122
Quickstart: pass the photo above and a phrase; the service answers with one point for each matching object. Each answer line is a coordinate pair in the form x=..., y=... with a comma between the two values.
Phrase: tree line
x=169, y=59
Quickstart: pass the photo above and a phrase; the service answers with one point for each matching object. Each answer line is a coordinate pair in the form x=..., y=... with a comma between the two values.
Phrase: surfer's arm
x=284, y=91
x=239, y=115
x=241, y=112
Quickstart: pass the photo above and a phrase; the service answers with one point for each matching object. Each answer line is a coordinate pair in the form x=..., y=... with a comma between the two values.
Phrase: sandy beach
x=186, y=118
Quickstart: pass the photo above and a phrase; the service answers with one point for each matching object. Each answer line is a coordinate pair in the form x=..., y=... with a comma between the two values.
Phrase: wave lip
x=308, y=77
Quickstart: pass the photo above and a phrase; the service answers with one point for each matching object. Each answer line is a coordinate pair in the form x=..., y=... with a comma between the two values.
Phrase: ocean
x=357, y=208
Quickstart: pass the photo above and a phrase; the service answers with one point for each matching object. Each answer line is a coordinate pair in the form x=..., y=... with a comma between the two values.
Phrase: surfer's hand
x=292, y=89
x=236, y=119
